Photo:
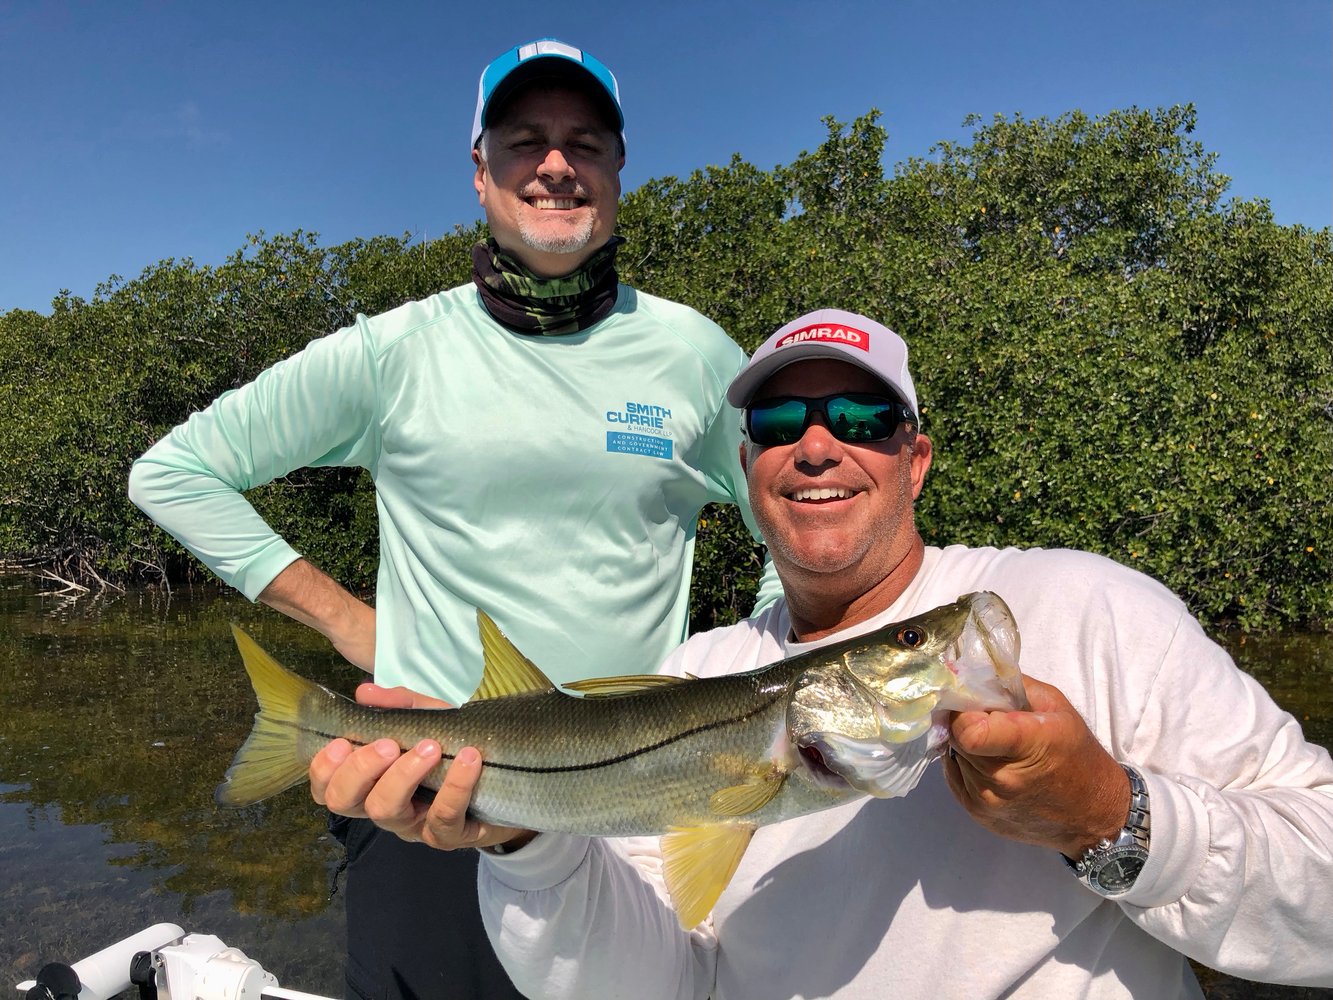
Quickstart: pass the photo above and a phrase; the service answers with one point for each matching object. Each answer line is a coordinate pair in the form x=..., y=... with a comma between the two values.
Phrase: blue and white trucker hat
x=828, y=333
x=546, y=56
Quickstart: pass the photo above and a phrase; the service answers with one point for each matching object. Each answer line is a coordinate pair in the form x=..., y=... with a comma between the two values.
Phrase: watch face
x=1118, y=874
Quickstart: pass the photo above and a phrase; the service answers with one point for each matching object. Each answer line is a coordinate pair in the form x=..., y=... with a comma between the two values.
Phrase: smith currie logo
x=640, y=429
x=848, y=335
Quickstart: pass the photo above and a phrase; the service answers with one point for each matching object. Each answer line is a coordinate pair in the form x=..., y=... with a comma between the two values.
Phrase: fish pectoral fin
x=505, y=671
x=753, y=795
x=610, y=687
x=697, y=864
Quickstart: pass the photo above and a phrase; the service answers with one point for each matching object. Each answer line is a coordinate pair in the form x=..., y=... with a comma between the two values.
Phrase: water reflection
x=119, y=715
x=117, y=718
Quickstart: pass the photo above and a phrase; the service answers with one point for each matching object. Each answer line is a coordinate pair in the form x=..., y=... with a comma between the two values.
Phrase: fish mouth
x=997, y=630
x=815, y=753
x=985, y=655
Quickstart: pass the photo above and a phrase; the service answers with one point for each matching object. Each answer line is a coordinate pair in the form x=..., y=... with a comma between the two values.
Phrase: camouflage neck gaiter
x=525, y=303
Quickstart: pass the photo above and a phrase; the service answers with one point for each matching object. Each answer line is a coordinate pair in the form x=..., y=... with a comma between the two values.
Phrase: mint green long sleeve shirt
x=554, y=482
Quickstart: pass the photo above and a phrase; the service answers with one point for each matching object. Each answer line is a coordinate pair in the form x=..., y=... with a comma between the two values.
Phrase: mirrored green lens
x=780, y=422
x=861, y=418
x=853, y=418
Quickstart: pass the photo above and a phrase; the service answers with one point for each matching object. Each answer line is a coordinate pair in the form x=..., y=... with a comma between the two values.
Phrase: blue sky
x=141, y=131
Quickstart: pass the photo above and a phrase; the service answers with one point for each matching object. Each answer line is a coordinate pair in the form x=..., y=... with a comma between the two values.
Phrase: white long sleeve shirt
x=910, y=899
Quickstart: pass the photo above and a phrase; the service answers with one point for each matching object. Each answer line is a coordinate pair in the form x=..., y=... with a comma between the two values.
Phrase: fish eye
x=910, y=636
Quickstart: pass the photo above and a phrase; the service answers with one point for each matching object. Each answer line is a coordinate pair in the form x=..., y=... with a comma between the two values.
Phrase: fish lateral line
x=629, y=754
x=740, y=718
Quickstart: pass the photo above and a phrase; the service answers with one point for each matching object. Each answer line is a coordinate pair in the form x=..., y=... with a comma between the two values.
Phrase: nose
x=817, y=446
x=555, y=167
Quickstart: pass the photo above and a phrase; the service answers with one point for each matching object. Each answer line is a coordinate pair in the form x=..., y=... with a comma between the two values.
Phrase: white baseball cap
x=829, y=333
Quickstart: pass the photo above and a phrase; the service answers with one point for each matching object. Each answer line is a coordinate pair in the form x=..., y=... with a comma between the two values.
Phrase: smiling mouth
x=547, y=204
x=817, y=494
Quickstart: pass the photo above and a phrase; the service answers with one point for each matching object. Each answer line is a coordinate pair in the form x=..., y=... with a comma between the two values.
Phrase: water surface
x=118, y=716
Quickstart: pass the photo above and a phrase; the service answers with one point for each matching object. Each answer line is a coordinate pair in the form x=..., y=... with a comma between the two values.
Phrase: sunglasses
x=855, y=417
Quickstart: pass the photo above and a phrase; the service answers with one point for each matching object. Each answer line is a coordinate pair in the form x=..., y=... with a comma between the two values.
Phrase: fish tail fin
x=270, y=760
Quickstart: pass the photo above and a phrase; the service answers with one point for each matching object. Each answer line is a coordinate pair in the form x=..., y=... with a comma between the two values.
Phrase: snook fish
x=701, y=762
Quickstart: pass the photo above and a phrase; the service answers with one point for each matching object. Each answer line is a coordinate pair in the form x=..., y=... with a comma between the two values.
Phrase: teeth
x=559, y=203
x=823, y=493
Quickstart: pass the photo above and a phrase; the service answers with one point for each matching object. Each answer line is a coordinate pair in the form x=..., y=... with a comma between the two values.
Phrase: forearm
x=307, y=594
x=565, y=912
x=1240, y=865
x=208, y=516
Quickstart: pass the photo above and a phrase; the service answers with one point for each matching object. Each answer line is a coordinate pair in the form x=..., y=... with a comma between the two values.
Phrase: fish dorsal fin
x=609, y=687
x=505, y=671
x=697, y=864
x=752, y=795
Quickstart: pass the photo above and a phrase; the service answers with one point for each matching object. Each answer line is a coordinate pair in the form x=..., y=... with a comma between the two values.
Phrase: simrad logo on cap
x=838, y=334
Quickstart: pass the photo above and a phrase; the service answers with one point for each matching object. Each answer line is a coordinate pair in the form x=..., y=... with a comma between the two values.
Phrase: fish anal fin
x=610, y=687
x=750, y=796
x=697, y=864
x=505, y=671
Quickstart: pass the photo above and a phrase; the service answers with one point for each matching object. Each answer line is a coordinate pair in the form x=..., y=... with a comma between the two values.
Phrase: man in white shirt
x=1154, y=803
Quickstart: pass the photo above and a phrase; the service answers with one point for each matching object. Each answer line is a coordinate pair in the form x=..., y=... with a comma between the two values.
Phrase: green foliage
x=1108, y=355
x=87, y=389
x=713, y=242
x=727, y=566
x=1113, y=362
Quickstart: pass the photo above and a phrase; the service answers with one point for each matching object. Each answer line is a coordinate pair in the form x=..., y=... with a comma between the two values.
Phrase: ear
x=921, y=453
x=745, y=463
x=479, y=179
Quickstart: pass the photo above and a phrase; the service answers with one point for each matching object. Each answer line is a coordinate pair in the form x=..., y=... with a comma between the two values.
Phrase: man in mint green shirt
x=541, y=441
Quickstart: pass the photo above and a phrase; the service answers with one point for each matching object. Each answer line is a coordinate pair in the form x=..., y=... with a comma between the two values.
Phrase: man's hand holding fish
x=1039, y=777
x=380, y=781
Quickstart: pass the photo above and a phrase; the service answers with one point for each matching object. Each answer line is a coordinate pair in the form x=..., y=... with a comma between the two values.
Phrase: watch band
x=1139, y=821
x=1111, y=867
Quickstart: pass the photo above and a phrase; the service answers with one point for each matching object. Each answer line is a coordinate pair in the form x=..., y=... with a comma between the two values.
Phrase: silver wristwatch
x=1112, y=866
